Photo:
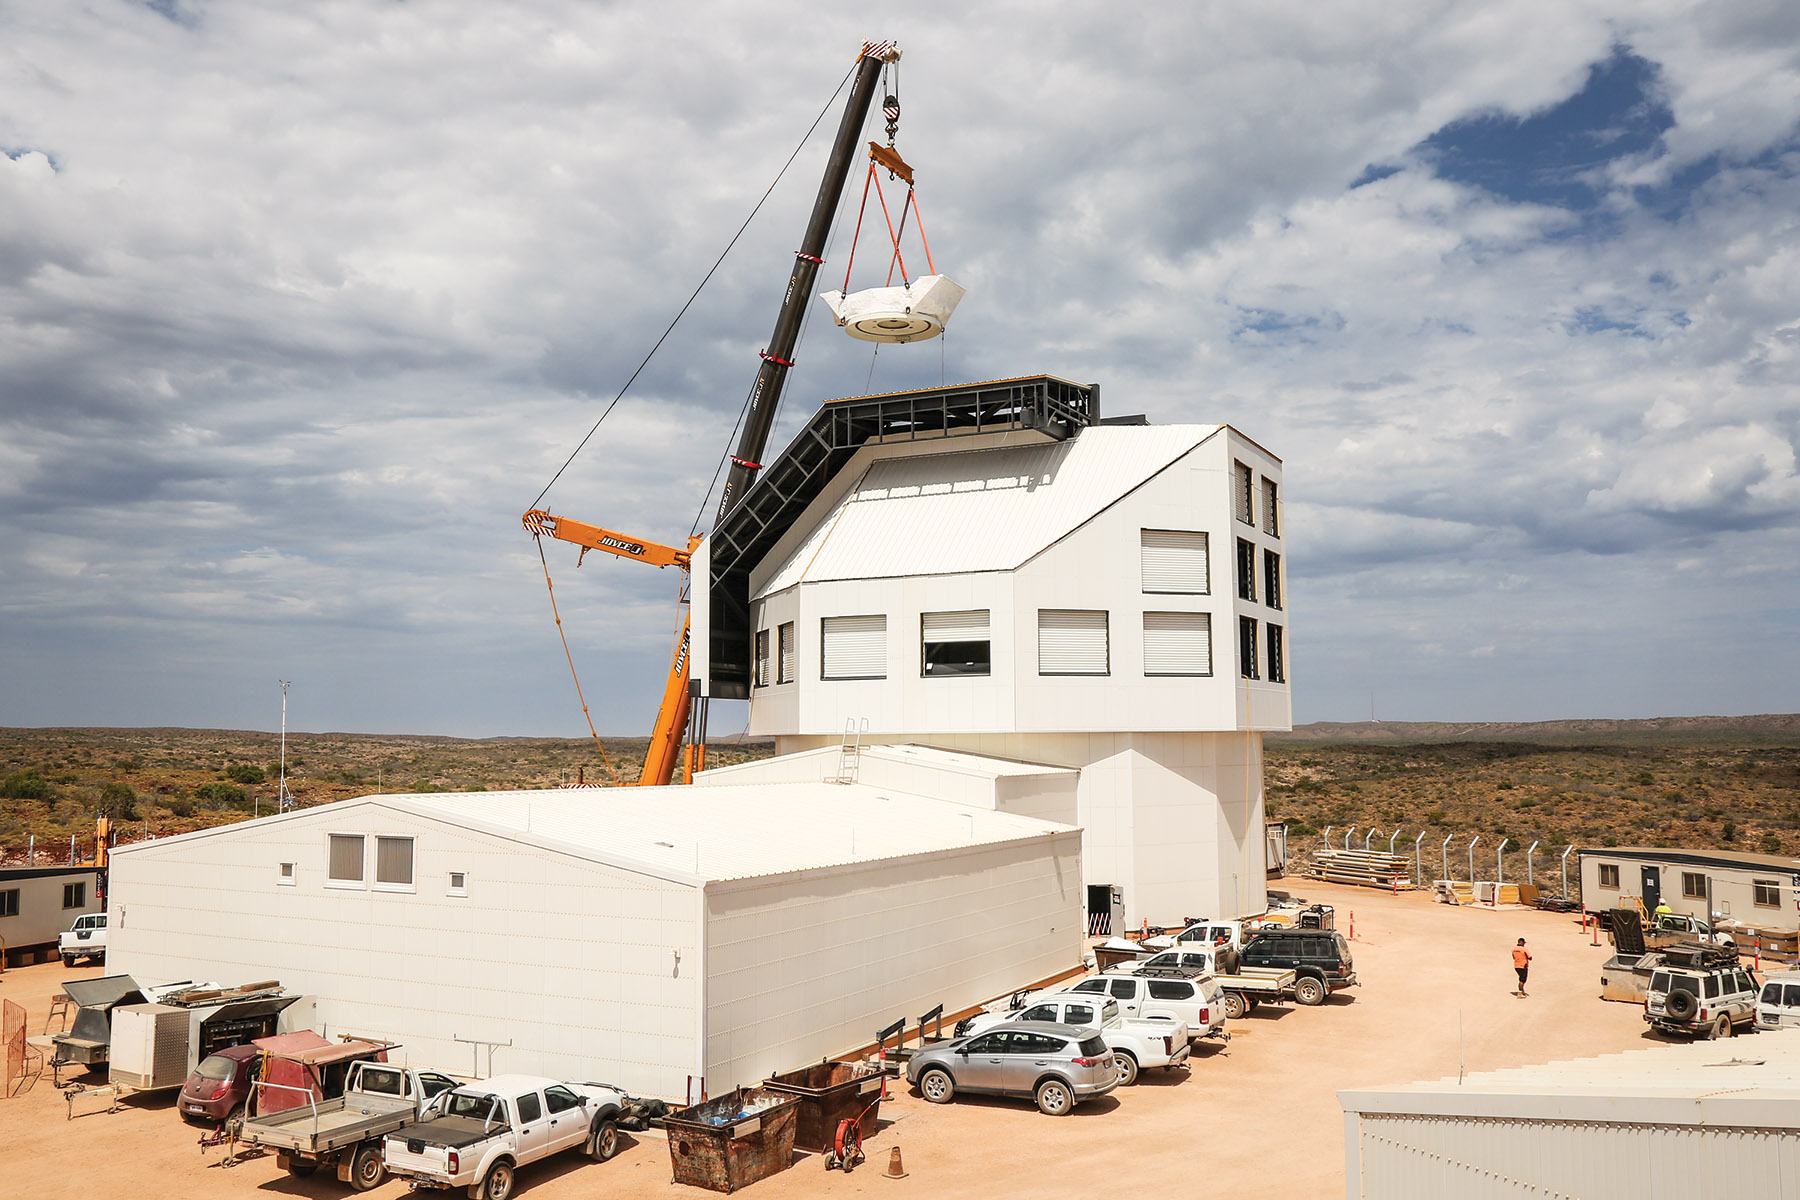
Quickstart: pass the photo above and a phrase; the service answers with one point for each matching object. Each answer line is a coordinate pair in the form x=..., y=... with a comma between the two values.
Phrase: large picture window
x=853, y=647
x=956, y=643
x=1072, y=642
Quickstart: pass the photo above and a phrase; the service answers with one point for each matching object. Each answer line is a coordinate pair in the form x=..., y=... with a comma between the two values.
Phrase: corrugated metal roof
x=1676, y=1083
x=979, y=510
x=736, y=831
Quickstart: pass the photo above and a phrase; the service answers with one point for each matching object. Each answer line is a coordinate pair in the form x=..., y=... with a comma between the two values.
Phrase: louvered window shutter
x=854, y=647
x=1072, y=642
x=1177, y=643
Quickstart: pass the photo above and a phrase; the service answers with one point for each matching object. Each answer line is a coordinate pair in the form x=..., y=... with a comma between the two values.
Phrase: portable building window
x=459, y=883
x=955, y=643
x=1247, y=648
x=394, y=863
x=1246, y=570
x=762, y=658
x=1271, y=507
x=784, y=658
x=9, y=902
x=285, y=876
x=1174, y=562
x=345, y=868
x=1693, y=885
x=1271, y=579
x=1243, y=497
x=1609, y=876
x=1768, y=892
x=1177, y=643
x=1072, y=642
x=1277, y=655
x=853, y=647
x=74, y=895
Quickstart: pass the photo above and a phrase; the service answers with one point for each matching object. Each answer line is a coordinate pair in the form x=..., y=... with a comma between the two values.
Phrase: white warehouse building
x=662, y=939
x=991, y=570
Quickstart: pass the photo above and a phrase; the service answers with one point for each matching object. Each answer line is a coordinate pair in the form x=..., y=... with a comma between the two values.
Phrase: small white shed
x=1700, y=1119
x=655, y=938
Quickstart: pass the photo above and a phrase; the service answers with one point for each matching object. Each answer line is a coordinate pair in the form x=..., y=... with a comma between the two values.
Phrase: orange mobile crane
x=678, y=710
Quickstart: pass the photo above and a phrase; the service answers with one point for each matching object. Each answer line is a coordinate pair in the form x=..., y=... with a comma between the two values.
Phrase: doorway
x=1652, y=877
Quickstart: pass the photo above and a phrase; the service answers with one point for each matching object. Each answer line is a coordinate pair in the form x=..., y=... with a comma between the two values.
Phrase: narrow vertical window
x=1247, y=648
x=1246, y=570
x=1243, y=494
x=1277, y=655
x=762, y=658
x=1271, y=500
x=784, y=665
x=1271, y=579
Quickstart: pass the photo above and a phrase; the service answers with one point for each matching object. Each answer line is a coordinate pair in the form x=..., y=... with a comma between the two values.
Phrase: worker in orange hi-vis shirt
x=1521, y=964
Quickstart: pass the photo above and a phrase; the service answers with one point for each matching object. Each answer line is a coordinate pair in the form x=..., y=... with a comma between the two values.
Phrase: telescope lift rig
x=678, y=713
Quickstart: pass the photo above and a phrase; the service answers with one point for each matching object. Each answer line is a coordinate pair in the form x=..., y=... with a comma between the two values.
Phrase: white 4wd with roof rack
x=1700, y=991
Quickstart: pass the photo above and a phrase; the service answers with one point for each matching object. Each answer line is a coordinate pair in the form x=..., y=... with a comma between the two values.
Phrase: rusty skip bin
x=734, y=1140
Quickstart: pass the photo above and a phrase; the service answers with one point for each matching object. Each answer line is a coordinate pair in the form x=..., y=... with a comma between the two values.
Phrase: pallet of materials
x=1363, y=868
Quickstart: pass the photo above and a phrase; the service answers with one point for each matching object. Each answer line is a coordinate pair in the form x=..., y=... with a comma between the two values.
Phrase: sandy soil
x=1257, y=1118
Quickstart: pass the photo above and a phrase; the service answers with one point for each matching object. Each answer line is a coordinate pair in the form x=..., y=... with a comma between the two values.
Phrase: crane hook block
x=912, y=313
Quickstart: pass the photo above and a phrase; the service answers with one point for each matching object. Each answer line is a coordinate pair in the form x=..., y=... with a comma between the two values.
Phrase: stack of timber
x=1365, y=868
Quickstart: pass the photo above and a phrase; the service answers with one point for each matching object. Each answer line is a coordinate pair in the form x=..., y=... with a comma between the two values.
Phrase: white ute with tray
x=347, y=1132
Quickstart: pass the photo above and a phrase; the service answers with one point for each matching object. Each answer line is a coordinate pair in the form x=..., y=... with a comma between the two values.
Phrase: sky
x=302, y=305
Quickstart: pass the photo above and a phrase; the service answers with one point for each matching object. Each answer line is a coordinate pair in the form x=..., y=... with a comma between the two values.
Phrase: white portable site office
x=1690, y=1120
x=37, y=904
x=652, y=937
x=1754, y=889
x=992, y=570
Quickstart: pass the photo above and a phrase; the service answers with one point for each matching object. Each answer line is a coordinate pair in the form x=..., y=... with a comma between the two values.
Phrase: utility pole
x=284, y=801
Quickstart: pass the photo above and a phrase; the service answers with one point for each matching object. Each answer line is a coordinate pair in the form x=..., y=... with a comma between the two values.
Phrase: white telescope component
x=897, y=314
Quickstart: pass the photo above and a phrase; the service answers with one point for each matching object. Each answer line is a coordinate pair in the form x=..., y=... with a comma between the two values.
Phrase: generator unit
x=157, y=1045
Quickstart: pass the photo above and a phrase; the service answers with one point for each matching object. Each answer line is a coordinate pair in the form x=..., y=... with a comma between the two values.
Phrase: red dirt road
x=1257, y=1118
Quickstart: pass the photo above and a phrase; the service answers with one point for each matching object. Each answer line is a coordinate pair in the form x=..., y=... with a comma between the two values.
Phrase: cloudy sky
x=301, y=306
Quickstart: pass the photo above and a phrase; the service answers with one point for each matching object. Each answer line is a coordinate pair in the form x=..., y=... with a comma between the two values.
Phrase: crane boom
x=592, y=537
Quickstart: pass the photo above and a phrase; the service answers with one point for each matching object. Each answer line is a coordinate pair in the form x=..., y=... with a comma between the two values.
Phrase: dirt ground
x=1259, y=1117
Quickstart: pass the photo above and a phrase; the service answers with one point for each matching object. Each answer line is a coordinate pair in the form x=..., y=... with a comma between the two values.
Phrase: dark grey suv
x=1056, y=1065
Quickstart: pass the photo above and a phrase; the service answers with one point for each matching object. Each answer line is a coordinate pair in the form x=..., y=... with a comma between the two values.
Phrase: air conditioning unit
x=150, y=1046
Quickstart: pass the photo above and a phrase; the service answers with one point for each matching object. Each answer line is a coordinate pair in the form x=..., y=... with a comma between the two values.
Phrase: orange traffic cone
x=895, y=1170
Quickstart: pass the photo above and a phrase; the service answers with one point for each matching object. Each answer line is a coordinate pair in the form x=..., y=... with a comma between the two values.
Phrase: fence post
x=1500, y=868
x=1327, y=837
x=1565, y=865
x=1419, y=857
x=1347, y=835
x=1530, y=878
x=1391, y=841
x=1472, y=861
x=1368, y=837
x=1446, y=849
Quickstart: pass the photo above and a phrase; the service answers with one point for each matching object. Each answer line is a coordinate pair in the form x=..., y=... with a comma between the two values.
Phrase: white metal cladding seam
x=979, y=510
x=1174, y=561
x=1177, y=643
x=854, y=647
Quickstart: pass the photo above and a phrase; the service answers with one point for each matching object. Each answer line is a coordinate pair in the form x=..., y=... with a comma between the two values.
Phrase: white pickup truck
x=1135, y=1042
x=346, y=1132
x=1244, y=989
x=478, y=1135
x=1197, y=1000
x=86, y=938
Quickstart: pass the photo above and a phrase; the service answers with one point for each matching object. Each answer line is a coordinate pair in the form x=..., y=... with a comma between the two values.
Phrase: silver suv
x=1056, y=1065
x=1700, y=991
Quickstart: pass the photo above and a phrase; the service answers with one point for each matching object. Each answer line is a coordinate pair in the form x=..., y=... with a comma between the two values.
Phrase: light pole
x=283, y=800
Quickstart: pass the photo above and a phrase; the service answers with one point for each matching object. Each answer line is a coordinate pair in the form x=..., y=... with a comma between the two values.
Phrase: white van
x=1778, y=1005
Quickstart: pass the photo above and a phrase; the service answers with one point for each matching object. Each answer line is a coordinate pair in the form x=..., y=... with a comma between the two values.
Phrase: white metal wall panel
x=854, y=647
x=1177, y=643
x=1072, y=642
x=1174, y=561
x=969, y=625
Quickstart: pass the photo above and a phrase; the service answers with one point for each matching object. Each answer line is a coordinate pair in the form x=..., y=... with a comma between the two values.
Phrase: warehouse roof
x=979, y=510
x=1744, y=1083
x=738, y=831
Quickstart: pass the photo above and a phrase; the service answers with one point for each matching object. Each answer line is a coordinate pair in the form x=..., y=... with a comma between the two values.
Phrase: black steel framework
x=1054, y=407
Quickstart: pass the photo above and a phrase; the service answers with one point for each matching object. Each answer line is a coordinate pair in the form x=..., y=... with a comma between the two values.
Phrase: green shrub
x=221, y=795
x=1436, y=816
x=181, y=806
x=425, y=785
x=1609, y=840
x=244, y=773
x=1728, y=833
x=119, y=801
x=25, y=785
x=1643, y=779
x=1505, y=785
x=1771, y=844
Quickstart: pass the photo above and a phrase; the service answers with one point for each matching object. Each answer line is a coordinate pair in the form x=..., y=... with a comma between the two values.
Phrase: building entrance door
x=1652, y=887
x=1099, y=906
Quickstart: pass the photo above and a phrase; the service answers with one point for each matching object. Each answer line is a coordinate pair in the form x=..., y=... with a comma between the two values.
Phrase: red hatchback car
x=218, y=1089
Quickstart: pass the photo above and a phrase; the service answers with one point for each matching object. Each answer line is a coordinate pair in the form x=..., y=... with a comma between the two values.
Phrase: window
x=1271, y=579
x=1041, y=1045
x=1277, y=653
x=1790, y=996
x=346, y=866
x=1174, y=562
x=1041, y=1012
x=955, y=643
x=1079, y=1014
x=993, y=1043
x=1072, y=642
x=762, y=658
x=560, y=1099
x=394, y=863
x=853, y=647
x=285, y=875
x=1090, y=985
x=1271, y=499
x=1693, y=885
x=74, y=895
x=383, y=1081
x=1246, y=570
x=530, y=1109
x=1243, y=498
x=1247, y=647
x=784, y=663
x=1177, y=643
x=1712, y=987
x=1609, y=876
x=1122, y=989
x=1768, y=892
x=1171, y=989
x=9, y=902
x=459, y=883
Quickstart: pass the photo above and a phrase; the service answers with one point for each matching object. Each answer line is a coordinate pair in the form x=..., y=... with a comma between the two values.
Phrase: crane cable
x=551, y=587
x=697, y=290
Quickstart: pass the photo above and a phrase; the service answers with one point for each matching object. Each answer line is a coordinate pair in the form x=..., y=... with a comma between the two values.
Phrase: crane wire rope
x=697, y=290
